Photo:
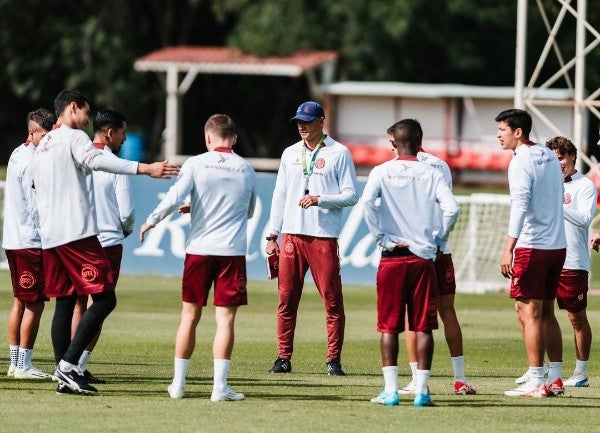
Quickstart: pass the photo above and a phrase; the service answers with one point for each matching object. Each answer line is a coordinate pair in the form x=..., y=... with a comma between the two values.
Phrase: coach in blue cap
x=316, y=180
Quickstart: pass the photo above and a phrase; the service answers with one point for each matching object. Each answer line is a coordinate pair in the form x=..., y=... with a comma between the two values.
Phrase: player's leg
x=410, y=343
x=582, y=334
x=222, y=348
x=14, y=332
x=292, y=269
x=30, y=325
x=185, y=342
x=324, y=264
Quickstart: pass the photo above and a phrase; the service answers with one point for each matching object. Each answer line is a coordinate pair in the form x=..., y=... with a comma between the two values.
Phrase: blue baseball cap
x=308, y=111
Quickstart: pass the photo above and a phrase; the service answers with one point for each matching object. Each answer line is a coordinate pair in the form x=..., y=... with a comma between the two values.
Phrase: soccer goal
x=477, y=242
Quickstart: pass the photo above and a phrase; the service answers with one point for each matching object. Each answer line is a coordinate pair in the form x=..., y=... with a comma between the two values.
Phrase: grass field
x=136, y=349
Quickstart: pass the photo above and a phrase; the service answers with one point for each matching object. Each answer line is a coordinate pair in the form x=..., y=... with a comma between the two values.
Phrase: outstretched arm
x=159, y=170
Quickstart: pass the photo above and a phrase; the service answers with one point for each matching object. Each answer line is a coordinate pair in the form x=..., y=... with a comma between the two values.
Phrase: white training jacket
x=222, y=186
x=443, y=167
x=115, y=213
x=21, y=223
x=536, y=194
x=64, y=201
x=579, y=208
x=399, y=205
x=333, y=180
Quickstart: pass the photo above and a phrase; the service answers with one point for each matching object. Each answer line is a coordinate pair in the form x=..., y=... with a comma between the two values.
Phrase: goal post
x=477, y=242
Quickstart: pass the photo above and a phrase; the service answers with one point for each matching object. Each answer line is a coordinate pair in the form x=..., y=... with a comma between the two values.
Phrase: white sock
x=220, y=373
x=536, y=376
x=390, y=378
x=413, y=369
x=66, y=366
x=458, y=364
x=27, y=355
x=555, y=371
x=581, y=367
x=84, y=359
x=21, y=359
x=180, y=370
x=422, y=381
x=14, y=354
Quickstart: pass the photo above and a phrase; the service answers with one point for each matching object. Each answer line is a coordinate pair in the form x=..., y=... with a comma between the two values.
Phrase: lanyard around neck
x=307, y=171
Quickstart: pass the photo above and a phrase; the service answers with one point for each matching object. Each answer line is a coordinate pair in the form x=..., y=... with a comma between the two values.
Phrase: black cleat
x=63, y=389
x=281, y=366
x=334, y=368
x=74, y=380
x=90, y=378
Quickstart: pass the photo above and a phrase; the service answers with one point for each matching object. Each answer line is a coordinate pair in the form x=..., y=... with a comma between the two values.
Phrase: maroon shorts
x=79, y=267
x=572, y=290
x=228, y=274
x=114, y=254
x=536, y=273
x=444, y=269
x=406, y=284
x=27, y=274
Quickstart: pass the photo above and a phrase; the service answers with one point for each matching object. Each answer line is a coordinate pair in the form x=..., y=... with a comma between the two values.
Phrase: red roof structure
x=222, y=60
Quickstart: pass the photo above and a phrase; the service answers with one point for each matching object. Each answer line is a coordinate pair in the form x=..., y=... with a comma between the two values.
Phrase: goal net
x=477, y=242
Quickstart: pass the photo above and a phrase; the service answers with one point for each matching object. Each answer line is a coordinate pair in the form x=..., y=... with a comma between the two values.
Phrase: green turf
x=136, y=349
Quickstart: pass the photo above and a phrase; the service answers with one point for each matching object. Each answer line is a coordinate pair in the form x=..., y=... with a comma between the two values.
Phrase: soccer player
x=114, y=213
x=316, y=180
x=579, y=208
x=223, y=196
x=74, y=261
x=446, y=290
x=410, y=237
x=535, y=249
x=21, y=240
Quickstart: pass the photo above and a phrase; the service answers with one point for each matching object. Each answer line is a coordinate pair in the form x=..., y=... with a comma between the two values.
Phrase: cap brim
x=303, y=118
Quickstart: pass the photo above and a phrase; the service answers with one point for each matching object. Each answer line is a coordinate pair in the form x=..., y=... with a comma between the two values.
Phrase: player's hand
x=506, y=268
x=308, y=201
x=186, y=208
x=145, y=227
x=595, y=241
x=272, y=247
x=159, y=169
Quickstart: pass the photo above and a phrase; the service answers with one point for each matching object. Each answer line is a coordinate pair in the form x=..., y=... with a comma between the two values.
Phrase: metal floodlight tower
x=526, y=96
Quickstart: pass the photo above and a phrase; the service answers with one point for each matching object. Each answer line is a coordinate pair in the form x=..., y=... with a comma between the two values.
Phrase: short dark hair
x=65, y=97
x=106, y=119
x=563, y=146
x=42, y=117
x=516, y=118
x=222, y=125
x=413, y=129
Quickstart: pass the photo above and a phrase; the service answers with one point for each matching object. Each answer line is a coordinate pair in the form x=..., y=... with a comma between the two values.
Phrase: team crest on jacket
x=319, y=163
x=89, y=272
x=26, y=280
x=567, y=198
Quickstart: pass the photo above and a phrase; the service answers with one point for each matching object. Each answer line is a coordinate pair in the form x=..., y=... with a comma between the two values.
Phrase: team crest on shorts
x=567, y=198
x=320, y=163
x=89, y=272
x=450, y=274
x=288, y=248
x=26, y=280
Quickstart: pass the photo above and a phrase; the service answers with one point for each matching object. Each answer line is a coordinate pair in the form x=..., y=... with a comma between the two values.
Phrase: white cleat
x=30, y=373
x=175, y=392
x=528, y=390
x=578, y=380
x=11, y=370
x=408, y=389
x=227, y=395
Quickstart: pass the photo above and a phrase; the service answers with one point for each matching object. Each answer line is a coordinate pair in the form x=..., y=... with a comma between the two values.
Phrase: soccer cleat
x=62, y=389
x=175, y=392
x=227, y=395
x=386, y=399
x=555, y=388
x=30, y=373
x=577, y=380
x=11, y=370
x=91, y=378
x=422, y=400
x=74, y=380
x=521, y=380
x=528, y=390
x=408, y=389
x=463, y=388
x=334, y=368
x=281, y=366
